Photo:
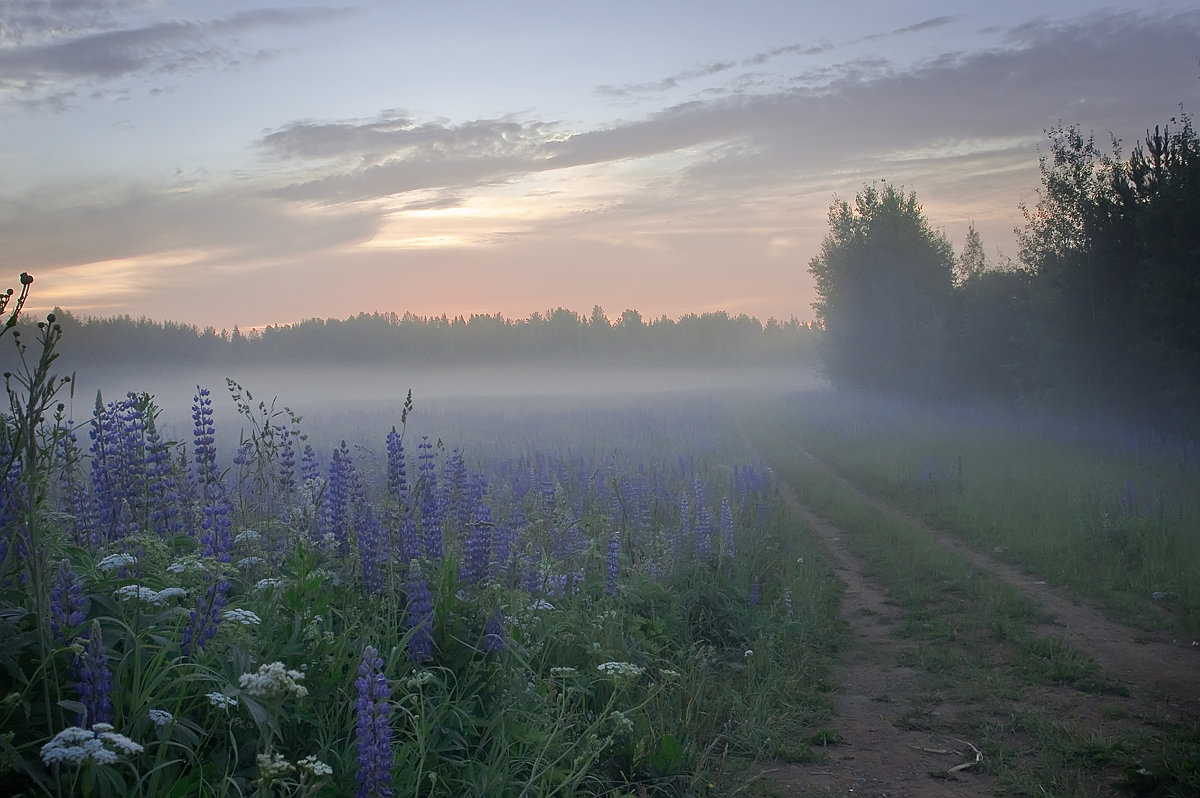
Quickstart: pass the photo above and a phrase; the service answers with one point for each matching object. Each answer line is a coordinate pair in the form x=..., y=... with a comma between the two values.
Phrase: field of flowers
x=617, y=614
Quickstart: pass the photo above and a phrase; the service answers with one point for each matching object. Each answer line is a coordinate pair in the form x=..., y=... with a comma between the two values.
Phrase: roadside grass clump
x=330, y=619
x=1111, y=513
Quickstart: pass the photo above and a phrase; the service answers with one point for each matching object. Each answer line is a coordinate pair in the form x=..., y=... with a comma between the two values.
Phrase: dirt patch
x=888, y=736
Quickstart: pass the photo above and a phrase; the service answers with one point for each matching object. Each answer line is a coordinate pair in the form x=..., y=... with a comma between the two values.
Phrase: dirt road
x=891, y=728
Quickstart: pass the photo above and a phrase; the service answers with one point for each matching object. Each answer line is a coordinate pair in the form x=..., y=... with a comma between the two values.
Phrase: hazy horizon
x=361, y=404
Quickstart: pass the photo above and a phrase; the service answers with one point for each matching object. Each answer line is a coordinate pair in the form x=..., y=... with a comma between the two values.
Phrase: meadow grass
x=606, y=603
x=1113, y=514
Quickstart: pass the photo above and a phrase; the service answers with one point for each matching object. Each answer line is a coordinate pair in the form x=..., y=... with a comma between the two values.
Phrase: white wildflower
x=244, y=617
x=621, y=722
x=263, y=584
x=221, y=700
x=541, y=604
x=143, y=593
x=619, y=669
x=114, y=561
x=246, y=562
x=186, y=564
x=245, y=535
x=160, y=717
x=419, y=680
x=99, y=744
x=314, y=766
x=273, y=766
x=562, y=670
x=749, y=653
x=273, y=680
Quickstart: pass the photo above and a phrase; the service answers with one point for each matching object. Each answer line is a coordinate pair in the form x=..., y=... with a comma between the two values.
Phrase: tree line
x=1100, y=314
x=383, y=338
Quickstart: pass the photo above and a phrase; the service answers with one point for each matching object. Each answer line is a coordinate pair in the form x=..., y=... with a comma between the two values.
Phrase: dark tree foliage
x=1101, y=317
x=558, y=335
x=884, y=282
x=995, y=349
x=1113, y=247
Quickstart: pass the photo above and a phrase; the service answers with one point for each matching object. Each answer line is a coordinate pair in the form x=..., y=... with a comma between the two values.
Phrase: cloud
x=852, y=113
x=231, y=225
x=89, y=47
x=667, y=83
x=23, y=21
x=927, y=24
x=792, y=49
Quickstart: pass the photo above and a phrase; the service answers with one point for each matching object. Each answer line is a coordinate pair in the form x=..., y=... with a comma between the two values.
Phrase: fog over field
x=362, y=403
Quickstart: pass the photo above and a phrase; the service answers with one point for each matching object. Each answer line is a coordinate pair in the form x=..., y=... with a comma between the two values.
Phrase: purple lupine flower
x=455, y=502
x=408, y=542
x=372, y=547
x=728, y=543
x=165, y=513
x=287, y=461
x=493, y=633
x=532, y=580
x=204, y=619
x=74, y=496
x=703, y=528
x=204, y=449
x=397, y=468
x=66, y=604
x=684, y=532
x=216, y=539
x=118, y=467
x=343, y=493
x=427, y=500
x=242, y=457
x=504, y=538
x=755, y=593
x=94, y=679
x=420, y=615
x=477, y=547
x=373, y=729
x=612, y=569
x=310, y=467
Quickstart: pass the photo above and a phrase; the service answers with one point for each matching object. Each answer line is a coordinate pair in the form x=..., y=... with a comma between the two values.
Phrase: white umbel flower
x=619, y=669
x=114, y=561
x=100, y=744
x=273, y=680
x=244, y=617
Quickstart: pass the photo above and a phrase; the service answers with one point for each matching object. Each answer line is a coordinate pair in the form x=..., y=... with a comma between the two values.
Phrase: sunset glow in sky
x=221, y=162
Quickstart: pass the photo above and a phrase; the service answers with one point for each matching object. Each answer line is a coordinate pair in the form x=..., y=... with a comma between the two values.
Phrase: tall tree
x=972, y=262
x=1114, y=248
x=884, y=282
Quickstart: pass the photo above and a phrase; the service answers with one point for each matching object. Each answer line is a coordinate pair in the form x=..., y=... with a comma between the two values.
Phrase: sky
x=248, y=163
